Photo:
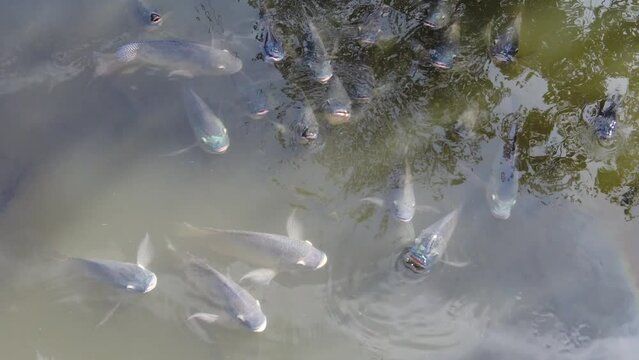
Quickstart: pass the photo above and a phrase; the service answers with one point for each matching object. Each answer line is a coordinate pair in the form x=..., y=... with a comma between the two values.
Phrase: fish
x=401, y=199
x=503, y=186
x=603, y=117
x=305, y=126
x=272, y=47
x=210, y=133
x=369, y=29
x=133, y=278
x=179, y=57
x=256, y=100
x=430, y=245
x=315, y=55
x=441, y=15
x=337, y=106
x=360, y=84
x=505, y=46
x=270, y=251
x=236, y=301
x=443, y=56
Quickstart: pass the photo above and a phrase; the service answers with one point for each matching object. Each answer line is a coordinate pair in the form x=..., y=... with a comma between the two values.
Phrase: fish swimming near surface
x=252, y=94
x=316, y=58
x=178, y=57
x=270, y=251
x=505, y=45
x=238, y=303
x=441, y=14
x=401, y=199
x=430, y=246
x=272, y=47
x=338, y=106
x=305, y=126
x=443, y=56
x=210, y=132
x=603, y=117
x=359, y=83
x=503, y=185
x=371, y=26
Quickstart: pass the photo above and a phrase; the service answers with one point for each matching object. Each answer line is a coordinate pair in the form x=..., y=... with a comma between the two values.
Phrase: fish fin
x=206, y=317
x=145, y=252
x=169, y=244
x=458, y=264
x=185, y=229
x=180, y=73
x=180, y=151
x=259, y=276
x=427, y=208
x=373, y=200
x=294, y=227
x=109, y=314
x=471, y=176
x=105, y=64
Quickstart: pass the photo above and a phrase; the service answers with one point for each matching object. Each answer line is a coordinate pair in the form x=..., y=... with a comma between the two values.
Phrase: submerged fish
x=370, y=28
x=337, y=106
x=315, y=55
x=360, y=83
x=503, y=185
x=305, y=126
x=272, y=47
x=506, y=45
x=443, y=56
x=209, y=130
x=441, y=14
x=178, y=57
x=237, y=302
x=430, y=245
x=603, y=117
x=256, y=100
x=401, y=198
x=272, y=252
x=133, y=278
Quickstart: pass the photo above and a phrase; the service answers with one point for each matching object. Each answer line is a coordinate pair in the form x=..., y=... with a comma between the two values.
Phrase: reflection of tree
x=575, y=49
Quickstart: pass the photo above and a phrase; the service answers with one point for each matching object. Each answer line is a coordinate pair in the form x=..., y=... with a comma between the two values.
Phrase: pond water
x=86, y=169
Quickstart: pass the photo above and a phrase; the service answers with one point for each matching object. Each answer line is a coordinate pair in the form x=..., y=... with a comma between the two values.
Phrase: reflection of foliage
x=574, y=49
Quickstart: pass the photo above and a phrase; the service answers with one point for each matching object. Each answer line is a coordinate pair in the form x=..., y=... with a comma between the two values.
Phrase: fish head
x=307, y=126
x=443, y=57
x=605, y=127
x=139, y=280
x=225, y=62
x=337, y=111
x=504, y=50
x=254, y=320
x=322, y=70
x=440, y=16
x=417, y=260
x=258, y=104
x=501, y=206
x=313, y=260
x=361, y=91
x=215, y=144
x=368, y=32
x=403, y=209
x=273, y=49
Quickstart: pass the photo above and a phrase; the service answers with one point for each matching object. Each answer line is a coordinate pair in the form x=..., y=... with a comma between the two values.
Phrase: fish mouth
x=260, y=113
x=366, y=41
x=441, y=65
x=403, y=219
x=324, y=78
x=500, y=213
x=322, y=262
x=220, y=150
x=152, y=284
x=503, y=58
x=342, y=113
x=155, y=18
x=431, y=25
x=261, y=327
x=274, y=58
x=309, y=135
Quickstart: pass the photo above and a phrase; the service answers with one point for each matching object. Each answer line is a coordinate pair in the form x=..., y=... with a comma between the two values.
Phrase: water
x=82, y=174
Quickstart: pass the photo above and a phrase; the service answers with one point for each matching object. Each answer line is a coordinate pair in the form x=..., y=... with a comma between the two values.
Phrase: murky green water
x=82, y=173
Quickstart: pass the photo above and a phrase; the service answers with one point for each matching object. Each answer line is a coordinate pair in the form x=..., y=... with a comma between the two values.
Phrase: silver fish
x=271, y=251
x=178, y=57
x=305, y=127
x=441, y=14
x=430, y=245
x=401, y=197
x=315, y=55
x=337, y=107
x=503, y=185
x=236, y=301
x=210, y=132
x=505, y=46
x=135, y=278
